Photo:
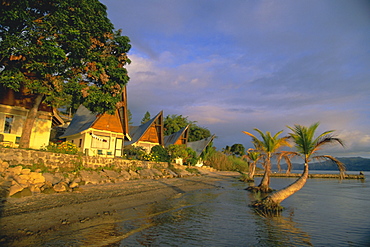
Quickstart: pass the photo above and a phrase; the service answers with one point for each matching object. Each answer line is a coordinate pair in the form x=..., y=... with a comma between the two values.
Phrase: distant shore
x=322, y=175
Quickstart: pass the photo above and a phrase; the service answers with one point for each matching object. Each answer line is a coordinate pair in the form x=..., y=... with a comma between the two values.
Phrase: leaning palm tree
x=267, y=146
x=252, y=156
x=307, y=146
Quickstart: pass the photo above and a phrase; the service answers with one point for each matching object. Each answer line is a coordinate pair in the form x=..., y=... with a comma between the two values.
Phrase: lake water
x=326, y=212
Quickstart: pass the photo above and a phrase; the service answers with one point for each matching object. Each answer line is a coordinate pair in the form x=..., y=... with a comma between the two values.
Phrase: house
x=99, y=134
x=14, y=107
x=177, y=138
x=148, y=134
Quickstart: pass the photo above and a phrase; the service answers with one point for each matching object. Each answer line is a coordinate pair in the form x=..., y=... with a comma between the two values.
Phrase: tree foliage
x=237, y=149
x=63, y=51
x=146, y=118
x=174, y=123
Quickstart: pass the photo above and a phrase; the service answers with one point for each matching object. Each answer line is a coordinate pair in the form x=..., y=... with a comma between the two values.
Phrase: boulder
x=61, y=187
x=15, y=188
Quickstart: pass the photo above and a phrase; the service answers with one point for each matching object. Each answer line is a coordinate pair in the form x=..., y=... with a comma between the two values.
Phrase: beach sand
x=31, y=217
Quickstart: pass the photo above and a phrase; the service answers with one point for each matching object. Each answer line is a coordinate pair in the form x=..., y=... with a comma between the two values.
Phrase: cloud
x=251, y=64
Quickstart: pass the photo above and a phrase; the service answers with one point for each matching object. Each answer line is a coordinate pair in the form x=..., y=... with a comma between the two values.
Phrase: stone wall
x=58, y=161
x=20, y=175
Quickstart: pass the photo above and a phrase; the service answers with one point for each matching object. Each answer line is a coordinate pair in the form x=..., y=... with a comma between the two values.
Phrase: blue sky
x=236, y=65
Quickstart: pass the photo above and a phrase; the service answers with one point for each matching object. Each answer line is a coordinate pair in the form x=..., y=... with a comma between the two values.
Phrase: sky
x=236, y=65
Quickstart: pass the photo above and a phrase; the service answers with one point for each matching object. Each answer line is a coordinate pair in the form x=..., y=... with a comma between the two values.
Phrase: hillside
x=352, y=164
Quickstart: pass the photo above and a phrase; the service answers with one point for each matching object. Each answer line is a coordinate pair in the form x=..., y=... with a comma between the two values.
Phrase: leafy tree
x=161, y=152
x=62, y=52
x=267, y=146
x=174, y=123
x=227, y=150
x=146, y=118
x=129, y=115
x=307, y=146
x=237, y=149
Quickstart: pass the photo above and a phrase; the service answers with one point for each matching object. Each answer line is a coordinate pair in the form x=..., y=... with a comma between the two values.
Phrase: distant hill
x=352, y=164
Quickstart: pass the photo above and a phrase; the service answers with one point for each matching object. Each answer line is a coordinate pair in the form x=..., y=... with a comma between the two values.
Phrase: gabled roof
x=85, y=119
x=199, y=146
x=138, y=132
x=82, y=120
x=176, y=137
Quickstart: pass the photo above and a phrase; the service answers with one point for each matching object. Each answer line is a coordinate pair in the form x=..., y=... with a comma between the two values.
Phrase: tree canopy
x=62, y=51
x=174, y=123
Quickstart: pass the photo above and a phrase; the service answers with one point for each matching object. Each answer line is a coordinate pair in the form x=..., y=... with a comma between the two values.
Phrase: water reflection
x=279, y=230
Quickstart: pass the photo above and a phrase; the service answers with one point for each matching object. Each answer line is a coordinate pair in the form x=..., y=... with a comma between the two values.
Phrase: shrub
x=64, y=148
x=134, y=152
x=223, y=162
x=161, y=153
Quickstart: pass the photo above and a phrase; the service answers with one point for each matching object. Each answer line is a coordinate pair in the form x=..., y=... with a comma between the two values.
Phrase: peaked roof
x=137, y=132
x=199, y=146
x=85, y=119
x=173, y=138
x=82, y=120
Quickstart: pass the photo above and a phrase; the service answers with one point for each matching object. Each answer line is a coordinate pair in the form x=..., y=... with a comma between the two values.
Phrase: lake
x=326, y=212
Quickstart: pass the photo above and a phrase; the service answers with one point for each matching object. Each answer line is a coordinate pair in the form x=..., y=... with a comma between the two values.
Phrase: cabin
x=99, y=134
x=148, y=134
x=14, y=107
x=178, y=138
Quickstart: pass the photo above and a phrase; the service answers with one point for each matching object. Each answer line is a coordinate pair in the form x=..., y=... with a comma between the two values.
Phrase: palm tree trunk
x=252, y=170
x=24, y=142
x=264, y=186
x=284, y=193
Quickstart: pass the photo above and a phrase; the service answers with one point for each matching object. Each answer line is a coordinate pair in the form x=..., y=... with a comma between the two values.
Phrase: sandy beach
x=23, y=219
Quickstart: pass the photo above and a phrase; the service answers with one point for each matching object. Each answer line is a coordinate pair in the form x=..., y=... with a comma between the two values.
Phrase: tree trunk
x=252, y=169
x=264, y=186
x=24, y=142
x=284, y=193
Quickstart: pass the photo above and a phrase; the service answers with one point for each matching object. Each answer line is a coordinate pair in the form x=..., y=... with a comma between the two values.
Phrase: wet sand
x=27, y=218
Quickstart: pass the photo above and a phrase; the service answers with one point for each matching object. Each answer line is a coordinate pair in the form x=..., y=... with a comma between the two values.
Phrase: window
x=80, y=143
x=8, y=123
x=101, y=142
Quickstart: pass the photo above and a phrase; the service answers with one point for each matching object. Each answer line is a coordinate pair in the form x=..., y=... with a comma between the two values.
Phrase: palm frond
x=341, y=166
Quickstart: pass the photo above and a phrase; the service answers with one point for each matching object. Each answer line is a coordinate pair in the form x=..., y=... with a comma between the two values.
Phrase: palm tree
x=267, y=146
x=307, y=146
x=252, y=156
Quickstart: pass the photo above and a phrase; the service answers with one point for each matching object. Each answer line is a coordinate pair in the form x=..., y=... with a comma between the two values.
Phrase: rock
x=112, y=175
x=73, y=185
x=34, y=189
x=53, y=178
x=15, y=188
x=3, y=166
x=61, y=187
x=14, y=170
x=90, y=177
x=36, y=178
x=25, y=171
x=134, y=175
x=124, y=175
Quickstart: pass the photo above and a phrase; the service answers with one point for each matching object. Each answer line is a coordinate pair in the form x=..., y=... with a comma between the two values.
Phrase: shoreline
x=321, y=175
x=28, y=219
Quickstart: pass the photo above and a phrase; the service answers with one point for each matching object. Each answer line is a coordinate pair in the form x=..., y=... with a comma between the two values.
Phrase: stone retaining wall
x=59, y=161
x=63, y=172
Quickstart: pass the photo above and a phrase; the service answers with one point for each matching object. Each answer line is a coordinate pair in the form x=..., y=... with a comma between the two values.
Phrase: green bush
x=64, y=148
x=134, y=152
x=161, y=153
